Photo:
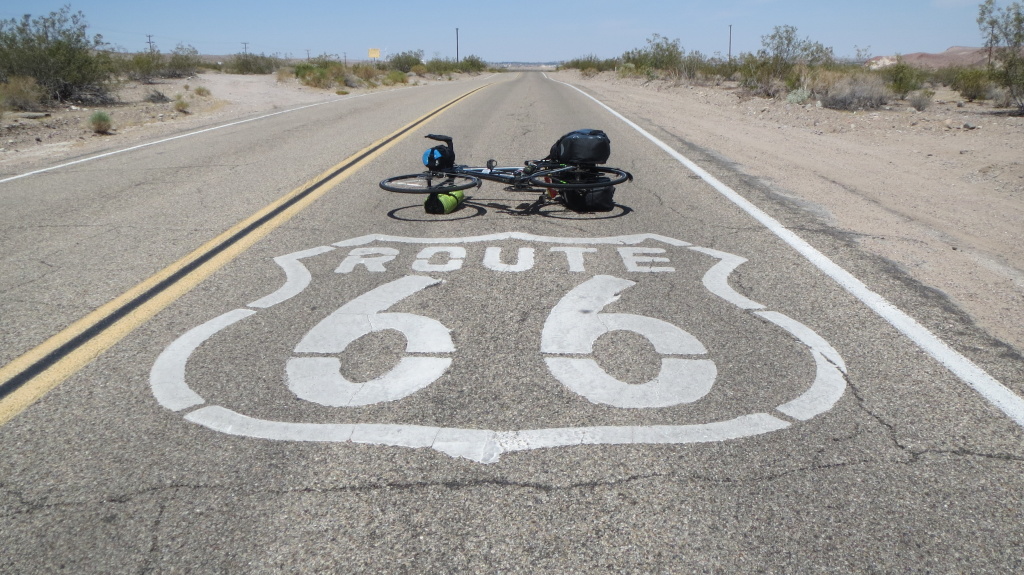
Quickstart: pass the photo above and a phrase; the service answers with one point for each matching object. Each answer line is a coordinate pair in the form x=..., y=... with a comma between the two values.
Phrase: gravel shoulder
x=939, y=193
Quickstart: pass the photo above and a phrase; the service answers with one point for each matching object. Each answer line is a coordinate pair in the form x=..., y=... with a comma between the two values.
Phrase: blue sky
x=523, y=30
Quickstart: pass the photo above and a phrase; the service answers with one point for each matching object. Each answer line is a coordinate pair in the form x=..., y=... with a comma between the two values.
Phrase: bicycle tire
x=428, y=183
x=574, y=179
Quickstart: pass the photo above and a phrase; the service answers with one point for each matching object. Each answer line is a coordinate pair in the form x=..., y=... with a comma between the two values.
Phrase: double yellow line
x=31, y=376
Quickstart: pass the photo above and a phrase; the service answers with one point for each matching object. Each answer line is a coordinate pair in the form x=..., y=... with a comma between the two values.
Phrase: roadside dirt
x=940, y=193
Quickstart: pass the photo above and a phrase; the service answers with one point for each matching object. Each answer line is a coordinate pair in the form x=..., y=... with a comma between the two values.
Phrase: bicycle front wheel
x=427, y=183
x=580, y=178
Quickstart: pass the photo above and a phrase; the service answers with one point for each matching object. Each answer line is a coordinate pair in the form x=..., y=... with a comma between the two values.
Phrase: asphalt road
x=354, y=386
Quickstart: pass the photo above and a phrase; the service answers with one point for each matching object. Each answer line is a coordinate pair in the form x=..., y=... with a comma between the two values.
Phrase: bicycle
x=571, y=183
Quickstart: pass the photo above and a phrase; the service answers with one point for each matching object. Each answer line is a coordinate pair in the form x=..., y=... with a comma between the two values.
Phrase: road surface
x=232, y=352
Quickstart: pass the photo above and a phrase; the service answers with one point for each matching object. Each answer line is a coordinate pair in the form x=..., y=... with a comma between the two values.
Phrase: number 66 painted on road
x=572, y=327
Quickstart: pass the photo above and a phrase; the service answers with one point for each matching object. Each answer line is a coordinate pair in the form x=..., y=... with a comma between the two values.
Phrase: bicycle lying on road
x=569, y=175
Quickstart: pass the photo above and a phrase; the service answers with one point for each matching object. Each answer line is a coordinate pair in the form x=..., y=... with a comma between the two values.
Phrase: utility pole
x=149, y=40
x=456, y=45
x=307, y=54
x=245, y=47
x=730, y=42
x=345, y=55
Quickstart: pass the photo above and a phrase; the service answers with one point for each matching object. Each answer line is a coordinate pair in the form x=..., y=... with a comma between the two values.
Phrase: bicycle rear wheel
x=578, y=178
x=428, y=183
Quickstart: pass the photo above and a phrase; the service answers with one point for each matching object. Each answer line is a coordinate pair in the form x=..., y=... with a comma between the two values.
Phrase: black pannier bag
x=582, y=147
x=439, y=158
x=596, y=199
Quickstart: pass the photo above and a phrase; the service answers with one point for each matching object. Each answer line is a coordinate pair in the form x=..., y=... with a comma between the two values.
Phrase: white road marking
x=366, y=313
x=492, y=260
x=318, y=379
x=1011, y=404
x=717, y=279
x=296, y=274
x=481, y=445
x=172, y=138
x=456, y=256
x=167, y=376
x=575, y=324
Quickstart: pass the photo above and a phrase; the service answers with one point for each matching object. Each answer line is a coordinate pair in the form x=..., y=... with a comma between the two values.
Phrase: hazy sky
x=516, y=30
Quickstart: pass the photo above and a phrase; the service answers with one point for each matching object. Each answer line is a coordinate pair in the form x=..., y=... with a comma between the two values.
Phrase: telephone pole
x=245, y=47
x=730, y=42
x=456, y=45
x=149, y=40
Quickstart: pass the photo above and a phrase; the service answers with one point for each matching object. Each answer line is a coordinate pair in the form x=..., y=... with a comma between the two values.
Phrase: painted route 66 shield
x=478, y=346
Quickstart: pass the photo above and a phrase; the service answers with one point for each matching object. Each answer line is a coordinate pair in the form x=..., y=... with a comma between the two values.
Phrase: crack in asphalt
x=916, y=455
x=29, y=507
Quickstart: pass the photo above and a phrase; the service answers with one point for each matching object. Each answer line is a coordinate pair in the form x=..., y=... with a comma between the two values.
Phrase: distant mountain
x=955, y=56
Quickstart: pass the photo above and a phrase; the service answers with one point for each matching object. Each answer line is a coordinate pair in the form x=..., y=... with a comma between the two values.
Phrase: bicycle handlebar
x=439, y=138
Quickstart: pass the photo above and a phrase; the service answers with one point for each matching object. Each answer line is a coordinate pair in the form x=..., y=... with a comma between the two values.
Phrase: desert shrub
x=592, y=62
x=100, y=122
x=56, y=51
x=660, y=53
x=253, y=64
x=365, y=72
x=143, y=67
x=972, y=84
x=183, y=62
x=921, y=100
x=324, y=72
x=202, y=91
x=419, y=69
x=441, y=66
x=627, y=70
x=856, y=92
x=472, y=64
x=903, y=78
x=1000, y=97
x=314, y=77
x=798, y=96
x=21, y=93
x=1003, y=28
x=404, y=61
x=180, y=104
x=395, y=77
x=782, y=62
x=945, y=75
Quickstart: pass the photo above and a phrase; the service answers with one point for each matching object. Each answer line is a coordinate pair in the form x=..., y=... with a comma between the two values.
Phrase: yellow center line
x=34, y=374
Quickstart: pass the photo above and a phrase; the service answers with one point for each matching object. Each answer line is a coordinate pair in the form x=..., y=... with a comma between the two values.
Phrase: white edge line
x=987, y=386
x=178, y=137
